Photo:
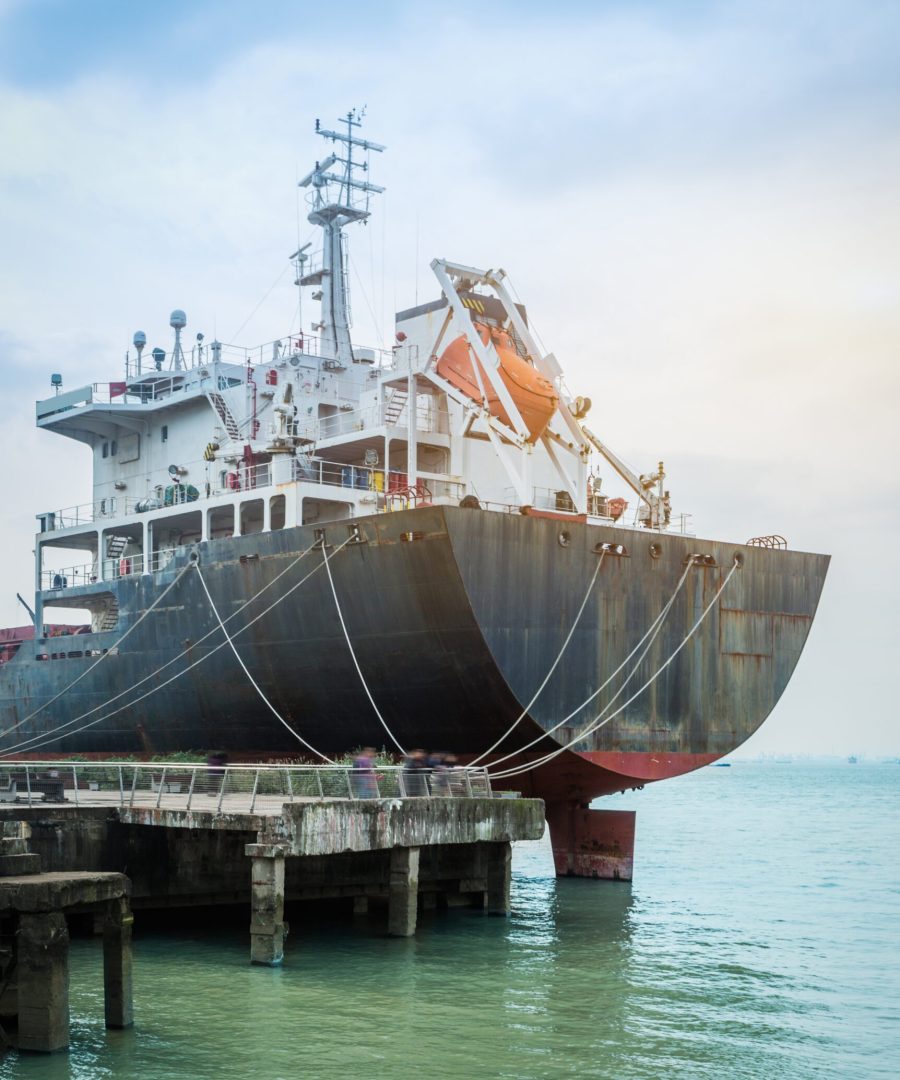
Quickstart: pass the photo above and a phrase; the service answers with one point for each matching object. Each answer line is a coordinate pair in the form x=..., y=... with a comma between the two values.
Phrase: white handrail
x=227, y=788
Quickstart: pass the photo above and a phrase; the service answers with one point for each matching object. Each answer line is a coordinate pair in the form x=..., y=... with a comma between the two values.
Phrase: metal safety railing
x=227, y=788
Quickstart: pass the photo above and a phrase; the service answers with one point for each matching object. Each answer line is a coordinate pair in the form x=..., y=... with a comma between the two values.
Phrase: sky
x=696, y=200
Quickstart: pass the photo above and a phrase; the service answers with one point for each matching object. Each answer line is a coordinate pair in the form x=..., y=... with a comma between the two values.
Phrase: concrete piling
x=404, y=890
x=267, y=929
x=117, y=964
x=499, y=878
x=43, y=981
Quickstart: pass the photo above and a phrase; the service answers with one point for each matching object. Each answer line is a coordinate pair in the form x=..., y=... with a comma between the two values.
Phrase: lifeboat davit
x=535, y=397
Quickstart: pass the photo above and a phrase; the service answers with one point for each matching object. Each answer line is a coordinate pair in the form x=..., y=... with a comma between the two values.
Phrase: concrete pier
x=394, y=853
x=38, y=902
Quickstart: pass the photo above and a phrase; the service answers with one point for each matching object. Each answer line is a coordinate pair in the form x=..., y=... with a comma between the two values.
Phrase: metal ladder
x=225, y=415
x=521, y=348
x=395, y=406
x=109, y=620
x=115, y=547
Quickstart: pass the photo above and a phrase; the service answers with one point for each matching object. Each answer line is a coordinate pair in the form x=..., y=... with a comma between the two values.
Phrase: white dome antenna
x=139, y=340
x=178, y=321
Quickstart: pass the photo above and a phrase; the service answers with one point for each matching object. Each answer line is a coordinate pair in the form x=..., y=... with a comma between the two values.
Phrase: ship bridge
x=97, y=410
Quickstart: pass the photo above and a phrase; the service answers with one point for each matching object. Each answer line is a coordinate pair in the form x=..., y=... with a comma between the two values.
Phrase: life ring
x=617, y=508
x=307, y=388
x=232, y=481
x=124, y=567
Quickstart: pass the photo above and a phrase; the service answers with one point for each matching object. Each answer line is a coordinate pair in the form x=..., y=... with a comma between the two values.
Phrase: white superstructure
x=221, y=441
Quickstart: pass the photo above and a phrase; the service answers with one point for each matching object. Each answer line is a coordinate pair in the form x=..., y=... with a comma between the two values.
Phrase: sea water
x=758, y=939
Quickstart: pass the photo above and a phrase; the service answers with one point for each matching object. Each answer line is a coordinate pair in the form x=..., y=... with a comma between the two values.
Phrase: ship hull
x=456, y=616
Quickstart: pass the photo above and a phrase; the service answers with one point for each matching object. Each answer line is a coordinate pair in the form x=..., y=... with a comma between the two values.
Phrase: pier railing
x=226, y=789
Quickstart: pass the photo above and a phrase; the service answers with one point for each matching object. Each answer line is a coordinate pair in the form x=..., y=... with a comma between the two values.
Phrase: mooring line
x=652, y=633
x=253, y=681
x=553, y=667
x=507, y=773
x=353, y=652
x=49, y=736
x=102, y=656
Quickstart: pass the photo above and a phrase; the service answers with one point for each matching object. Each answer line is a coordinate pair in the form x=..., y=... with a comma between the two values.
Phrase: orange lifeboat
x=535, y=397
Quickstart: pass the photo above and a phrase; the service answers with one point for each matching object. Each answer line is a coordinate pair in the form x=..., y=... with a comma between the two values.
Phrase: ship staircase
x=108, y=618
x=396, y=404
x=521, y=347
x=115, y=547
x=225, y=415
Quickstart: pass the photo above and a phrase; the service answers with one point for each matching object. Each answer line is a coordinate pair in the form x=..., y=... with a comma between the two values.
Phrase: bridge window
x=276, y=512
x=251, y=516
x=220, y=522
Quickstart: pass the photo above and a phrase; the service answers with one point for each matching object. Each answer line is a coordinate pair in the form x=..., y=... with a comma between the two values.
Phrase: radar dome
x=178, y=319
x=140, y=339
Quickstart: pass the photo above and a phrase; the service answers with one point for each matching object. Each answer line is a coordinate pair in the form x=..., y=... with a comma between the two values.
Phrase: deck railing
x=226, y=789
x=257, y=357
x=69, y=577
x=224, y=481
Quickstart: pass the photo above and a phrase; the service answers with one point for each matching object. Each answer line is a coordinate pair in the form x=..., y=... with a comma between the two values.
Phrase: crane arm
x=657, y=501
x=618, y=464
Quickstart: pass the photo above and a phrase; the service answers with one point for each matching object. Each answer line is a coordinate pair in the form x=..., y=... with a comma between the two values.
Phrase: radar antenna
x=178, y=321
x=337, y=199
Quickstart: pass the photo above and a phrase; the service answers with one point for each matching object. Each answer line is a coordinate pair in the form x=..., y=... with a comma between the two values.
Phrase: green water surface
x=759, y=939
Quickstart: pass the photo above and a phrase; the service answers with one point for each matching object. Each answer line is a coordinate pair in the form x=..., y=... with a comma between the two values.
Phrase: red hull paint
x=581, y=777
x=649, y=766
x=596, y=843
x=592, y=843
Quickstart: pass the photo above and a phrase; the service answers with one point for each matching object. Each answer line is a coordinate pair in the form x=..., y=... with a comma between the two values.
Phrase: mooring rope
x=102, y=656
x=49, y=736
x=362, y=679
x=651, y=633
x=253, y=681
x=553, y=667
x=597, y=723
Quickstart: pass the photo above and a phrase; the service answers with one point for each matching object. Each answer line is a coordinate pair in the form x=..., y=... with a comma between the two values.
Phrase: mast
x=338, y=199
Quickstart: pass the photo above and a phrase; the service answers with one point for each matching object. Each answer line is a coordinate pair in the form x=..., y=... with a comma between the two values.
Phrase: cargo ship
x=309, y=546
